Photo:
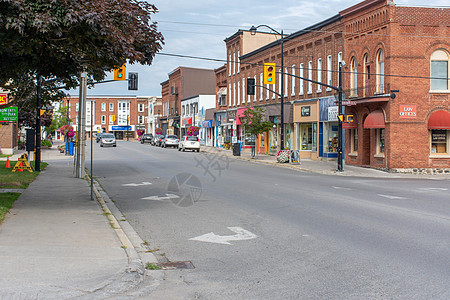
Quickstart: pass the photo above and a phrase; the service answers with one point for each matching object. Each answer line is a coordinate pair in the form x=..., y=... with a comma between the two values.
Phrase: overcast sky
x=199, y=27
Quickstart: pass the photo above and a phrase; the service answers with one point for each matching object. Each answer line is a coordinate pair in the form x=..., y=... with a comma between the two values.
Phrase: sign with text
x=305, y=111
x=8, y=114
x=333, y=113
x=3, y=99
x=408, y=111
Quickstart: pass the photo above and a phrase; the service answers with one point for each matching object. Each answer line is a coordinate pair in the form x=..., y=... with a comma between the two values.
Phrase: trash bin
x=70, y=148
x=237, y=149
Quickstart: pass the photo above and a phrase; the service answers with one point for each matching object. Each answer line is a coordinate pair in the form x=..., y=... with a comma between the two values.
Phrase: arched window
x=353, y=77
x=366, y=76
x=439, y=71
x=380, y=71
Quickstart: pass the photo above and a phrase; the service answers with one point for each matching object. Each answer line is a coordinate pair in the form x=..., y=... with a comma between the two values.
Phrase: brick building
x=384, y=48
x=120, y=115
x=183, y=83
x=394, y=48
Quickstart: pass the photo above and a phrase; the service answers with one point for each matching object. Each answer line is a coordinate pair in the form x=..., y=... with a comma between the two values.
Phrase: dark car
x=147, y=138
x=157, y=141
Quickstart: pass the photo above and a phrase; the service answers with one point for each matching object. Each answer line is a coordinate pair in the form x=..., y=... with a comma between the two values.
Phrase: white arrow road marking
x=241, y=234
x=137, y=184
x=342, y=188
x=391, y=197
x=162, y=198
x=436, y=189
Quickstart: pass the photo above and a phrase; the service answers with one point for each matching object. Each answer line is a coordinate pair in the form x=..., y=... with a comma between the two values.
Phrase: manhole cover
x=175, y=265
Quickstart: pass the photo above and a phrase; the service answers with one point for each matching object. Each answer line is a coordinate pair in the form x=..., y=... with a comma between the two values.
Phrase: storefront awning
x=240, y=113
x=439, y=120
x=375, y=120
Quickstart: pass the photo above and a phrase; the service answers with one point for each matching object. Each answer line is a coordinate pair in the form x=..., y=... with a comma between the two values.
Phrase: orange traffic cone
x=20, y=165
x=8, y=165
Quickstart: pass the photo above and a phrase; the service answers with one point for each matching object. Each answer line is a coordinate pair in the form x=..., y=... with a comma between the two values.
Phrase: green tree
x=59, y=39
x=254, y=124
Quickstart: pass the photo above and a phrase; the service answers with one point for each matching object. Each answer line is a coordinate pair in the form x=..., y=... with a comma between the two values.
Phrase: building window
x=267, y=92
x=261, y=90
x=293, y=81
x=439, y=71
x=279, y=82
x=440, y=141
x=103, y=119
x=254, y=96
x=141, y=119
x=339, y=60
x=229, y=67
x=140, y=107
x=77, y=106
x=310, y=87
x=239, y=93
x=329, y=72
x=319, y=74
x=238, y=62
x=306, y=138
x=353, y=77
x=300, y=92
x=111, y=107
x=229, y=94
x=103, y=106
x=234, y=63
x=234, y=94
x=354, y=141
x=380, y=71
x=286, y=81
x=380, y=140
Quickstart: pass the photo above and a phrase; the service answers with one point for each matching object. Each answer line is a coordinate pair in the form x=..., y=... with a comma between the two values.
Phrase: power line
x=289, y=67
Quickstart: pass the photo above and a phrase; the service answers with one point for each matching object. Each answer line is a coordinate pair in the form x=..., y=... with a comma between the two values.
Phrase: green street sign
x=8, y=114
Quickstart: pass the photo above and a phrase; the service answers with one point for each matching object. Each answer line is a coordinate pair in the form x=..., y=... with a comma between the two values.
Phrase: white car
x=190, y=143
x=108, y=139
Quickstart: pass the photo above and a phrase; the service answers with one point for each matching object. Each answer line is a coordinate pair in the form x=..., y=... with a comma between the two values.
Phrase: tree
x=59, y=39
x=60, y=119
x=254, y=124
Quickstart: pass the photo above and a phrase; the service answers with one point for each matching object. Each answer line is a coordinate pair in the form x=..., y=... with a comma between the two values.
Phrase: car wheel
x=114, y=145
x=184, y=149
x=179, y=149
x=101, y=145
x=198, y=150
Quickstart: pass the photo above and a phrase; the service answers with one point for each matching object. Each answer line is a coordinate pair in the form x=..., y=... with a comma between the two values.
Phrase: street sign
x=341, y=118
x=8, y=114
x=3, y=99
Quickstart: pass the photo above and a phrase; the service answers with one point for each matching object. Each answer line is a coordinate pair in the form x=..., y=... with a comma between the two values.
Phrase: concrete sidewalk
x=56, y=243
x=321, y=167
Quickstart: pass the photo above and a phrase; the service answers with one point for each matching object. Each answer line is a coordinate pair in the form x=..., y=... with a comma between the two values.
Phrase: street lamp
x=253, y=30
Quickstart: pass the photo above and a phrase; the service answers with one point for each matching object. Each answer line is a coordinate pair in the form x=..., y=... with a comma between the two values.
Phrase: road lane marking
x=390, y=196
x=342, y=188
x=162, y=198
x=433, y=189
x=137, y=184
x=241, y=234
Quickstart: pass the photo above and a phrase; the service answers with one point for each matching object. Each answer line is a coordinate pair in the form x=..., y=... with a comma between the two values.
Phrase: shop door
x=366, y=148
x=119, y=135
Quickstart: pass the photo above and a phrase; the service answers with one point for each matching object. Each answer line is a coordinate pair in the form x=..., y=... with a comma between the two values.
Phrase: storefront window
x=439, y=141
x=314, y=137
x=305, y=136
x=380, y=141
x=287, y=136
x=273, y=139
x=331, y=136
x=354, y=140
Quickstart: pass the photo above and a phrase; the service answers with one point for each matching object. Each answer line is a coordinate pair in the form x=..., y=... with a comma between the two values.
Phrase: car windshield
x=192, y=138
x=107, y=136
x=147, y=135
x=172, y=137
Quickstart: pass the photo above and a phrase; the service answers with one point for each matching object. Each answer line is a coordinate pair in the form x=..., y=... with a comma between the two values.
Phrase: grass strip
x=16, y=180
x=6, y=202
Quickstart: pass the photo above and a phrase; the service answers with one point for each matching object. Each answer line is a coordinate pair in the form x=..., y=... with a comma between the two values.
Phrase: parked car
x=190, y=143
x=157, y=141
x=98, y=137
x=170, y=141
x=108, y=139
x=147, y=138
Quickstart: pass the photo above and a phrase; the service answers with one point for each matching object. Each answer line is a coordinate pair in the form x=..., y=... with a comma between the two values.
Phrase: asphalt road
x=265, y=232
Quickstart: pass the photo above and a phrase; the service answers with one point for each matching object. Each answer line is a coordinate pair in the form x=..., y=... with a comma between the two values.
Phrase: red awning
x=439, y=120
x=375, y=120
x=352, y=125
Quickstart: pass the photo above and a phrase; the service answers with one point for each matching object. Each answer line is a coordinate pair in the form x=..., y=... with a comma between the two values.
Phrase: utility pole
x=37, y=159
x=340, y=135
x=81, y=136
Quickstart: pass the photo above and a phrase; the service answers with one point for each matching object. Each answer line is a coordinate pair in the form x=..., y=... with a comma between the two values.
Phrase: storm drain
x=176, y=265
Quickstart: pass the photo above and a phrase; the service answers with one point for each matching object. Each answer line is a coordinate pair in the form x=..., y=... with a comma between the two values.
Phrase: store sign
x=3, y=99
x=333, y=113
x=408, y=111
x=8, y=114
x=121, y=128
x=306, y=111
x=439, y=135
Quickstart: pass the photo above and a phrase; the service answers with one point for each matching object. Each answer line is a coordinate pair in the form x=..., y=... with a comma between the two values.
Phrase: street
x=256, y=231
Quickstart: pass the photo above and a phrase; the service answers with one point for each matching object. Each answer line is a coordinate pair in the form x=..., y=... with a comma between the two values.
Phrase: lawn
x=16, y=180
x=6, y=202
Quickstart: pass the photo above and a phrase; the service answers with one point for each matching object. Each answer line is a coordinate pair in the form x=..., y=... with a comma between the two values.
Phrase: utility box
x=237, y=149
x=30, y=140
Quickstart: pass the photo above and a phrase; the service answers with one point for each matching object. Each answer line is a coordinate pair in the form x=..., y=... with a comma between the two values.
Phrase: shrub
x=46, y=143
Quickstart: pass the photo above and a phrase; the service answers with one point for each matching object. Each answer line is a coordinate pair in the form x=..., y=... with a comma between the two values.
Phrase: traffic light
x=269, y=73
x=119, y=73
x=349, y=118
x=113, y=118
x=250, y=86
x=132, y=81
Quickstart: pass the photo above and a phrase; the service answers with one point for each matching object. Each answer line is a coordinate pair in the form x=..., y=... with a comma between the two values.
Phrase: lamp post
x=253, y=32
x=67, y=135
